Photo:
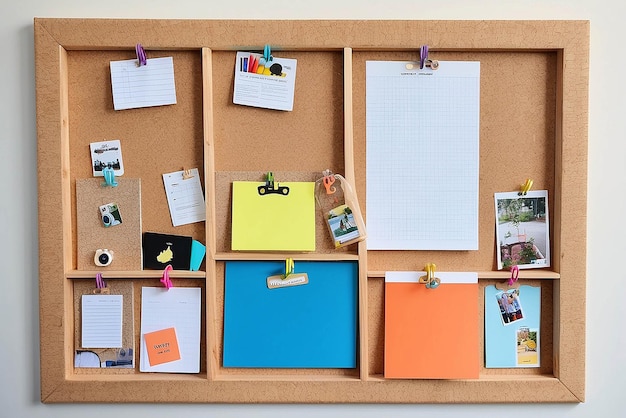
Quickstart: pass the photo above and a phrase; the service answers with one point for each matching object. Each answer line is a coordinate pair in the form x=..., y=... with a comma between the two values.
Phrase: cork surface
x=533, y=124
x=115, y=287
x=123, y=240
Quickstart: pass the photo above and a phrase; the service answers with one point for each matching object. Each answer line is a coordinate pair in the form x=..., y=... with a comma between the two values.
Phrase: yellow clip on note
x=273, y=221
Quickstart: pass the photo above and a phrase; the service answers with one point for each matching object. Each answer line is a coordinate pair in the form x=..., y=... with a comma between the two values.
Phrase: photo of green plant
x=522, y=230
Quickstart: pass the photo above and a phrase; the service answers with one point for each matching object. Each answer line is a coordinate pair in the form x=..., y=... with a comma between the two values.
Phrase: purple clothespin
x=100, y=283
x=423, y=56
x=141, y=55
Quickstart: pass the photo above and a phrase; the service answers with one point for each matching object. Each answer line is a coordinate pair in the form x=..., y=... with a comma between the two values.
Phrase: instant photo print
x=522, y=230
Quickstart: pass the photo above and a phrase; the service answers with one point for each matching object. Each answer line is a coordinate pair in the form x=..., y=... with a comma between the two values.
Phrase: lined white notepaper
x=143, y=86
x=422, y=156
x=184, y=197
x=179, y=308
x=101, y=321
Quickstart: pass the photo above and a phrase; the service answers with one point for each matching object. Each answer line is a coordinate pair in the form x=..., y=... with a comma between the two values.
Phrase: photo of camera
x=103, y=257
x=110, y=215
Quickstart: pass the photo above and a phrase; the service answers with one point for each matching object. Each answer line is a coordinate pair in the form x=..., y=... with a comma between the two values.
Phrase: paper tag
x=294, y=279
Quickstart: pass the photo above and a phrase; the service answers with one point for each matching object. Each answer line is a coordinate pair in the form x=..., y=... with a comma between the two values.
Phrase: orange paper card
x=162, y=346
x=431, y=333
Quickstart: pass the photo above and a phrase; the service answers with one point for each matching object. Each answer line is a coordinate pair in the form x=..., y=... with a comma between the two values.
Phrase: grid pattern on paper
x=422, y=156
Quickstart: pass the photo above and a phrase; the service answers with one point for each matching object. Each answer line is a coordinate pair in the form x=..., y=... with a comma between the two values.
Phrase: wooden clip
x=187, y=174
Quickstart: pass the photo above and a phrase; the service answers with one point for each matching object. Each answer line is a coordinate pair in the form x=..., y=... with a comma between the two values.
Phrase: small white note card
x=148, y=85
x=261, y=84
x=184, y=197
x=178, y=308
x=102, y=321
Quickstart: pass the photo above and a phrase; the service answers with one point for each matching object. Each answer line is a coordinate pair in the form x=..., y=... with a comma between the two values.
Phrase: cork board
x=123, y=239
x=533, y=123
x=118, y=287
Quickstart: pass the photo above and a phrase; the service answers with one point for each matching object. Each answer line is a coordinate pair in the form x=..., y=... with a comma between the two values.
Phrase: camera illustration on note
x=110, y=215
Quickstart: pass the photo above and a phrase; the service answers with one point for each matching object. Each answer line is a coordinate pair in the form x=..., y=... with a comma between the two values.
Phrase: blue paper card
x=307, y=326
x=512, y=321
x=198, y=251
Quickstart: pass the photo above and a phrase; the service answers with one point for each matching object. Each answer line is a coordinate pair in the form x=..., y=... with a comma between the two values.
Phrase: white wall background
x=19, y=309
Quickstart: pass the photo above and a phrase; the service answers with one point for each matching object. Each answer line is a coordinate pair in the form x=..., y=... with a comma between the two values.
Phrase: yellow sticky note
x=273, y=221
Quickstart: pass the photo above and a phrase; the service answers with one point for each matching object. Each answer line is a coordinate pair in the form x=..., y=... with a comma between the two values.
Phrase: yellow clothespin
x=429, y=279
x=525, y=188
x=289, y=278
x=288, y=267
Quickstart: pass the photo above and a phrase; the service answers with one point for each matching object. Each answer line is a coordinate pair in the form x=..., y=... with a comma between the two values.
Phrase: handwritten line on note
x=146, y=86
x=102, y=321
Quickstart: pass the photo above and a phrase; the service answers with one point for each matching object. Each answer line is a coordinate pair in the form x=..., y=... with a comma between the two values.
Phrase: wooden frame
x=558, y=163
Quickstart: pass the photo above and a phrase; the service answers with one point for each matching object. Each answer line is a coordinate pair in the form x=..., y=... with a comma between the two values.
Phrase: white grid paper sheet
x=422, y=156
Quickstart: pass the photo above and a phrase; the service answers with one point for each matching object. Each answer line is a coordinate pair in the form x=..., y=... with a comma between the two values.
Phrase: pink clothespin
x=166, y=277
x=514, y=275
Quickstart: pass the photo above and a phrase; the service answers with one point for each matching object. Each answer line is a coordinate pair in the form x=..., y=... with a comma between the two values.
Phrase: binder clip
x=429, y=279
x=109, y=176
x=141, y=55
x=272, y=187
x=165, y=279
x=525, y=188
x=290, y=278
x=101, y=286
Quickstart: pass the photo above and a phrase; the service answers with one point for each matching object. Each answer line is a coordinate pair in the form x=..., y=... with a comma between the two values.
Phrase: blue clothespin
x=109, y=177
x=267, y=54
